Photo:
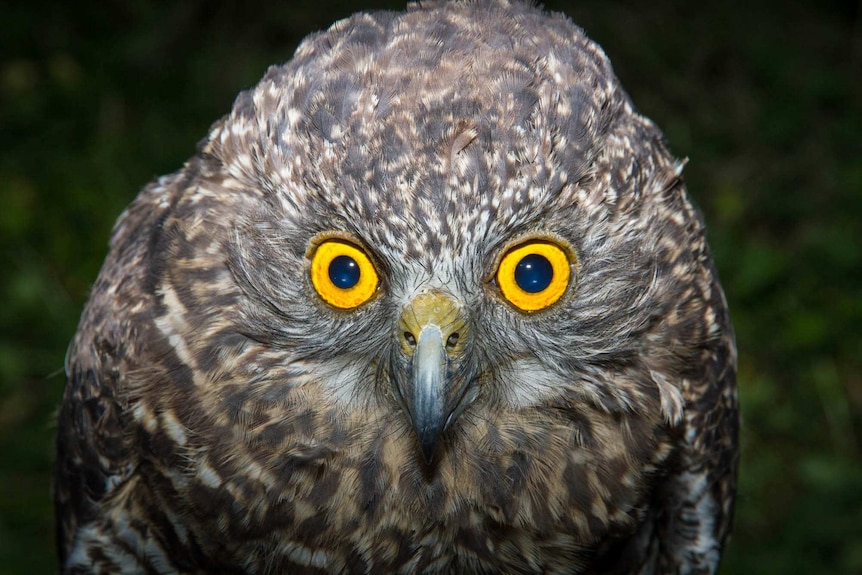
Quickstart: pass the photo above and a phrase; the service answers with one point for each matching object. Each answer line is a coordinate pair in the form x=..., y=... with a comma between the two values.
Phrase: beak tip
x=428, y=446
x=428, y=438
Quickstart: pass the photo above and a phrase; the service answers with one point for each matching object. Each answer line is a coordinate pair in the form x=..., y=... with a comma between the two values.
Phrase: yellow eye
x=534, y=275
x=342, y=274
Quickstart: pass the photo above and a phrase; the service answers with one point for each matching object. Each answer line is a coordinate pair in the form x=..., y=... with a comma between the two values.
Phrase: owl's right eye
x=342, y=274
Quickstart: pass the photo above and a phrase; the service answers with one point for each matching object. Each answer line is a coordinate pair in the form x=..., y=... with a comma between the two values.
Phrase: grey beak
x=430, y=367
x=433, y=382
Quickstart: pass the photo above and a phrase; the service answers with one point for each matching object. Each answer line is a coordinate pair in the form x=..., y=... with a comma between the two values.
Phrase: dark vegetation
x=764, y=98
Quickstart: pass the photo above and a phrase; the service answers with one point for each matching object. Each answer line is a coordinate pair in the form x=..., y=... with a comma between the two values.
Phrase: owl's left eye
x=534, y=275
x=342, y=274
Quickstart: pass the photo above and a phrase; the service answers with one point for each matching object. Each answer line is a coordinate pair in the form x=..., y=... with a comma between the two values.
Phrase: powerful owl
x=430, y=299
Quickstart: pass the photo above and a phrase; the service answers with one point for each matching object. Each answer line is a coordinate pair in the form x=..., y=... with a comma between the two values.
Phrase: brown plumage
x=238, y=401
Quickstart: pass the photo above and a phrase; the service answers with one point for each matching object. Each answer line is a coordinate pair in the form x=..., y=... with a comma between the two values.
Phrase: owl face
x=485, y=231
x=433, y=365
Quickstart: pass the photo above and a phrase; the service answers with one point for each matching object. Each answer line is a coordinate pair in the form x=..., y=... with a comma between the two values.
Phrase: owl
x=430, y=299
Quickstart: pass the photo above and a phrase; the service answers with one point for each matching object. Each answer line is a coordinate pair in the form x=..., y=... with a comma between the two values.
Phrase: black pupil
x=344, y=272
x=534, y=273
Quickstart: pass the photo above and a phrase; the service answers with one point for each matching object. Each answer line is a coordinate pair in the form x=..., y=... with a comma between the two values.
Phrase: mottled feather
x=220, y=417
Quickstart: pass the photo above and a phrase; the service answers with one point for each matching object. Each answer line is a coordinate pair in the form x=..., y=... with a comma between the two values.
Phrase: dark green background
x=764, y=98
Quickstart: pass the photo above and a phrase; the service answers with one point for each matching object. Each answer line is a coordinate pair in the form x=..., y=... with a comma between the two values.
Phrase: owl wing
x=697, y=497
x=96, y=456
x=93, y=455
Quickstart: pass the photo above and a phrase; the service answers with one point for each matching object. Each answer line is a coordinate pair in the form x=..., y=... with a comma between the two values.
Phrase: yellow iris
x=342, y=274
x=534, y=275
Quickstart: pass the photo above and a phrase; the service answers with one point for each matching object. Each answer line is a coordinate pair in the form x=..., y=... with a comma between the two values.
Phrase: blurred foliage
x=764, y=98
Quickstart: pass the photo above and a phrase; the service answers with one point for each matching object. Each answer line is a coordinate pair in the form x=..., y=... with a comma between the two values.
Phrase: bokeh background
x=763, y=97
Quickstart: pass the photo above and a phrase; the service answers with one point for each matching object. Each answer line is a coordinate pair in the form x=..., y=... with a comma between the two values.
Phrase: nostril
x=452, y=341
x=410, y=339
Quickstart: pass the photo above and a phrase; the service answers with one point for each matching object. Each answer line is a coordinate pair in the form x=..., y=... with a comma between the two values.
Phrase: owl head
x=442, y=228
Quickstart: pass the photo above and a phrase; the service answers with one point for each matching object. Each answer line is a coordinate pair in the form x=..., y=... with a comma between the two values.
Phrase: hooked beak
x=431, y=378
x=430, y=372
